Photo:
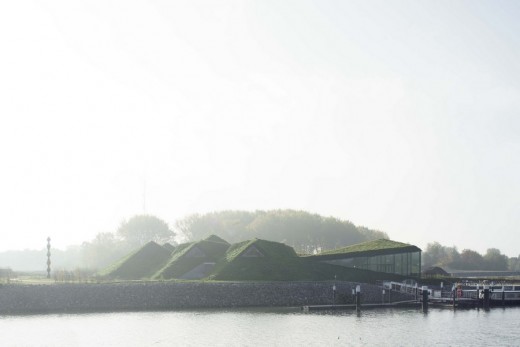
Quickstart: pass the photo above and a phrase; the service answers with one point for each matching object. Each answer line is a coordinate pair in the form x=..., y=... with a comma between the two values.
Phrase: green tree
x=103, y=250
x=141, y=229
x=439, y=255
x=495, y=260
x=433, y=255
x=514, y=264
x=303, y=231
x=470, y=260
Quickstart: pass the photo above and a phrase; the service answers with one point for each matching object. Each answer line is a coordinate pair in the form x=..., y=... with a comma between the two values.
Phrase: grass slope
x=142, y=263
x=281, y=263
x=375, y=247
x=215, y=238
x=169, y=247
x=180, y=261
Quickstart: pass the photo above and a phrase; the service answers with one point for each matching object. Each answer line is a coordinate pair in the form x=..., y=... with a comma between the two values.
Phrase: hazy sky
x=402, y=116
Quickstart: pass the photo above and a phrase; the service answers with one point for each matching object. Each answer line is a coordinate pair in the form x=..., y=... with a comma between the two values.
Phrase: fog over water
x=400, y=116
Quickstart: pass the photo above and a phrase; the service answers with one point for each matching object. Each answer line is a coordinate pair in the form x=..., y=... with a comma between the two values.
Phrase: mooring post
x=358, y=298
x=454, y=295
x=478, y=293
x=425, y=299
x=503, y=296
x=486, y=297
x=383, y=297
x=416, y=292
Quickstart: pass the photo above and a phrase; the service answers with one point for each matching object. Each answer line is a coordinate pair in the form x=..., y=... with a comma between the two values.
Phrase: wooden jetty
x=460, y=295
x=410, y=303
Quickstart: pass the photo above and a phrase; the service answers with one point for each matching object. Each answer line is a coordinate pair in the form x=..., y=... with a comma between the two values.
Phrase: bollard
x=334, y=295
x=425, y=299
x=454, y=293
x=503, y=297
x=486, y=297
x=478, y=295
x=358, y=298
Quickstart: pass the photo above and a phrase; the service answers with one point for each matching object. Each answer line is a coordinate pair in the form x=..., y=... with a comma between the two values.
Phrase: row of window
x=407, y=264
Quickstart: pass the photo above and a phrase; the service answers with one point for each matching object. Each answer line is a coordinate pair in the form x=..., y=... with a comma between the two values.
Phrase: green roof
x=179, y=263
x=142, y=263
x=277, y=262
x=280, y=263
x=169, y=247
x=262, y=260
x=370, y=248
x=215, y=238
x=269, y=249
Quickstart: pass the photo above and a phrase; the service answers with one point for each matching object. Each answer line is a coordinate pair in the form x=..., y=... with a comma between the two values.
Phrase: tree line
x=305, y=232
x=436, y=254
x=105, y=249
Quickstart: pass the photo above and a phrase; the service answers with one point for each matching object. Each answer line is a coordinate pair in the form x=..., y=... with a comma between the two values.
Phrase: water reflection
x=266, y=327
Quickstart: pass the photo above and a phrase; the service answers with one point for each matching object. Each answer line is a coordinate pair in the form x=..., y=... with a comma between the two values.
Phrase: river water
x=267, y=327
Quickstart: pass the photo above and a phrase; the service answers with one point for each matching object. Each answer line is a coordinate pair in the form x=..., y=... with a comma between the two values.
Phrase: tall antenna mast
x=48, y=257
x=144, y=194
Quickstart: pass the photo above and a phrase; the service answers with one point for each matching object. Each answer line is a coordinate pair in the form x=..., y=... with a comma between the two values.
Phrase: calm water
x=267, y=327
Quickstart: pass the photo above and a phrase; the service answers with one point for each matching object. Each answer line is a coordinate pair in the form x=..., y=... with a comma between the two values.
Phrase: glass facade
x=406, y=263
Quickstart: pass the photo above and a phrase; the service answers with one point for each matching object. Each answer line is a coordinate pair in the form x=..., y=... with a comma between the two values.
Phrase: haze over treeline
x=305, y=232
x=436, y=254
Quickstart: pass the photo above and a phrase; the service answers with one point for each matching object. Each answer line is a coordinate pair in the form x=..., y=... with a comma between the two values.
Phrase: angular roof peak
x=215, y=238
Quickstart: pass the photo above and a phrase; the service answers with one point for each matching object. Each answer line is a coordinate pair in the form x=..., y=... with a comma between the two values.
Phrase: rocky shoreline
x=150, y=296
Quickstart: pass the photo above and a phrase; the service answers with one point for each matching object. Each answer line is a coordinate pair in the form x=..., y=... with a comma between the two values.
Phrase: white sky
x=402, y=116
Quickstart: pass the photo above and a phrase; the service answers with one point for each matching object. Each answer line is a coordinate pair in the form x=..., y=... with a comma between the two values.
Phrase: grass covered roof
x=269, y=249
x=142, y=263
x=215, y=238
x=281, y=263
x=169, y=247
x=370, y=248
x=252, y=260
x=189, y=255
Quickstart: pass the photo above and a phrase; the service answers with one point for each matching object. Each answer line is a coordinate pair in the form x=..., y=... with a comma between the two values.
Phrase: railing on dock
x=462, y=291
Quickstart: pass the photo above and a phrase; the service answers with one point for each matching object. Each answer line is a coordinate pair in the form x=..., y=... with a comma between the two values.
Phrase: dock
x=461, y=295
x=410, y=303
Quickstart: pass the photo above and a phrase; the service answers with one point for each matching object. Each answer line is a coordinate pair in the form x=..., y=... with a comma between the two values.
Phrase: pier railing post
x=358, y=298
x=454, y=295
x=486, y=297
x=425, y=299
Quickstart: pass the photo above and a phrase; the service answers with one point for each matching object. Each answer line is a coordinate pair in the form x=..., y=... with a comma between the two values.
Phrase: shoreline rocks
x=151, y=296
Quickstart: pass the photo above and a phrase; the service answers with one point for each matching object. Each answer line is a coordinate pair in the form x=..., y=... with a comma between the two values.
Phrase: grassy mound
x=188, y=256
x=376, y=247
x=293, y=269
x=169, y=247
x=253, y=260
x=142, y=263
x=281, y=263
x=215, y=238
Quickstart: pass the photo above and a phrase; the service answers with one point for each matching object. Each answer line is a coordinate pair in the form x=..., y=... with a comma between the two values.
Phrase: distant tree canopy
x=144, y=228
x=304, y=231
x=108, y=247
x=439, y=255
